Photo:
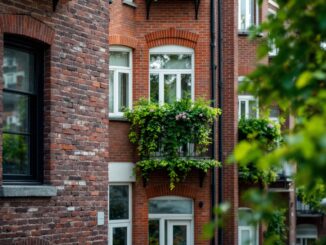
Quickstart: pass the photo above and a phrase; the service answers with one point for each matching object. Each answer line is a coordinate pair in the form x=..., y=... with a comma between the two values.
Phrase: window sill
x=130, y=4
x=118, y=118
x=28, y=191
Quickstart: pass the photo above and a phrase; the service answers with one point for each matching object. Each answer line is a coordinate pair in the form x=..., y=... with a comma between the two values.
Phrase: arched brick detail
x=123, y=40
x=172, y=37
x=27, y=26
x=31, y=241
x=180, y=190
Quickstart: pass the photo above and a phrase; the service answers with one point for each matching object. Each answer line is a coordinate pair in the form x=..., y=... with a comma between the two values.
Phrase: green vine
x=268, y=135
x=313, y=197
x=167, y=130
x=276, y=232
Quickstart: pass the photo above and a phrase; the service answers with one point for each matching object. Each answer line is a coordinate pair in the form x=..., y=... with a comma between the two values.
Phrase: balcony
x=304, y=210
x=162, y=134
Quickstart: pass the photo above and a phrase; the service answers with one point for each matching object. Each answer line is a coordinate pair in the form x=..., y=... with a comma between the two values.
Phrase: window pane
x=17, y=70
x=170, y=88
x=154, y=87
x=170, y=207
x=15, y=154
x=119, y=235
x=245, y=237
x=179, y=235
x=154, y=232
x=243, y=14
x=123, y=91
x=111, y=91
x=253, y=109
x=274, y=112
x=119, y=202
x=119, y=58
x=15, y=112
x=186, y=86
x=242, y=109
x=170, y=61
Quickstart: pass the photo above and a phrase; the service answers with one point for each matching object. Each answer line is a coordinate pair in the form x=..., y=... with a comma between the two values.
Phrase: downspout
x=214, y=104
x=220, y=105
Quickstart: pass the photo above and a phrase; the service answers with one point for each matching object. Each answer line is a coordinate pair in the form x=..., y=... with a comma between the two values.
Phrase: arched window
x=171, y=73
x=247, y=231
x=306, y=234
x=170, y=220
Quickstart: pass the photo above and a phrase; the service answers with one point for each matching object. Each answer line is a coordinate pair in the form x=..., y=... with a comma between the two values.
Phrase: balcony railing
x=306, y=210
x=187, y=151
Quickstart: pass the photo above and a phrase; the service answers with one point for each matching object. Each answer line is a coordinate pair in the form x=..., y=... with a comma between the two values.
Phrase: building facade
x=54, y=127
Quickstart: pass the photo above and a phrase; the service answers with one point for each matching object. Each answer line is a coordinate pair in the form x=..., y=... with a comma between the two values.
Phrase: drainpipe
x=214, y=104
x=220, y=105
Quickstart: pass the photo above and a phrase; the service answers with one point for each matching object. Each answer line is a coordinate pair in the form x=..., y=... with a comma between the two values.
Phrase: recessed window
x=306, y=234
x=248, y=14
x=120, y=77
x=171, y=74
x=22, y=133
x=120, y=214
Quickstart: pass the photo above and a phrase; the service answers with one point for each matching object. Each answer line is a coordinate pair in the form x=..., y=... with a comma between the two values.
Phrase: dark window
x=22, y=132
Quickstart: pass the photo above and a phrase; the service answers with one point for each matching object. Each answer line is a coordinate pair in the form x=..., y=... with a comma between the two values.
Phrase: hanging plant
x=162, y=134
x=268, y=135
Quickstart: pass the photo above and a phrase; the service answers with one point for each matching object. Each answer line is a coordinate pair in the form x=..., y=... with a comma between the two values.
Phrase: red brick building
x=69, y=68
x=54, y=128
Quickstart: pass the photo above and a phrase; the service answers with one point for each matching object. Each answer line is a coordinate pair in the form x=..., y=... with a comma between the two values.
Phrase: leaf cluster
x=166, y=129
x=266, y=136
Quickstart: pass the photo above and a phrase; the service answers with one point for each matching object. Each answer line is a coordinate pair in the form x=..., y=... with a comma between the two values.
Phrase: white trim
x=272, y=2
x=174, y=219
x=248, y=22
x=171, y=223
x=246, y=99
x=121, y=223
x=121, y=172
x=253, y=229
x=121, y=69
x=172, y=49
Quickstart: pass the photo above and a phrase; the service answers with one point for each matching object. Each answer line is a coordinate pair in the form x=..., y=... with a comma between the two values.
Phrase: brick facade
x=75, y=122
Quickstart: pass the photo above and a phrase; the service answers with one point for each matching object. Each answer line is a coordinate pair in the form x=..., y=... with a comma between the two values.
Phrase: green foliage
x=168, y=128
x=177, y=168
x=267, y=136
x=276, y=233
x=313, y=197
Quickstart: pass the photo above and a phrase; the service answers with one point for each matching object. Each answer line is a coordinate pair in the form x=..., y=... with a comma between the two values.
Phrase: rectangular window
x=171, y=74
x=120, y=198
x=248, y=14
x=22, y=132
x=120, y=77
x=247, y=107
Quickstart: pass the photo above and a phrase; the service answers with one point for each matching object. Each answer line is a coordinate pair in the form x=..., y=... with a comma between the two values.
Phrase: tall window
x=22, y=110
x=247, y=232
x=171, y=71
x=248, y=14
x=120, y=77
x=120, y=199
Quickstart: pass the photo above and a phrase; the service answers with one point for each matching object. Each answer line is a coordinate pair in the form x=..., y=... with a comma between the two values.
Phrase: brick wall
x=76, y=127
x=170, y=23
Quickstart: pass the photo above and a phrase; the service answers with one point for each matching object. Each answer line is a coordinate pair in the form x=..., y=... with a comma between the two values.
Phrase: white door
x=178, y=232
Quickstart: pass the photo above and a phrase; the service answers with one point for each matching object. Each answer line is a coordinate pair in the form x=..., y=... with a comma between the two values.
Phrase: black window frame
x=36, y=114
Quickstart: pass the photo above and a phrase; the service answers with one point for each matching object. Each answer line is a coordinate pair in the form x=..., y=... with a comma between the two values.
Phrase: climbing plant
x=162, y=133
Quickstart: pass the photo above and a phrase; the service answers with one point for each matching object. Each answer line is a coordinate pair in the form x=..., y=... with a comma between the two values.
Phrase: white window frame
x=123, y=222
x=247, y=99
x=116, y=70
x=173, y=217
x=172, y=49
x=251, y=228
x=248, y=23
